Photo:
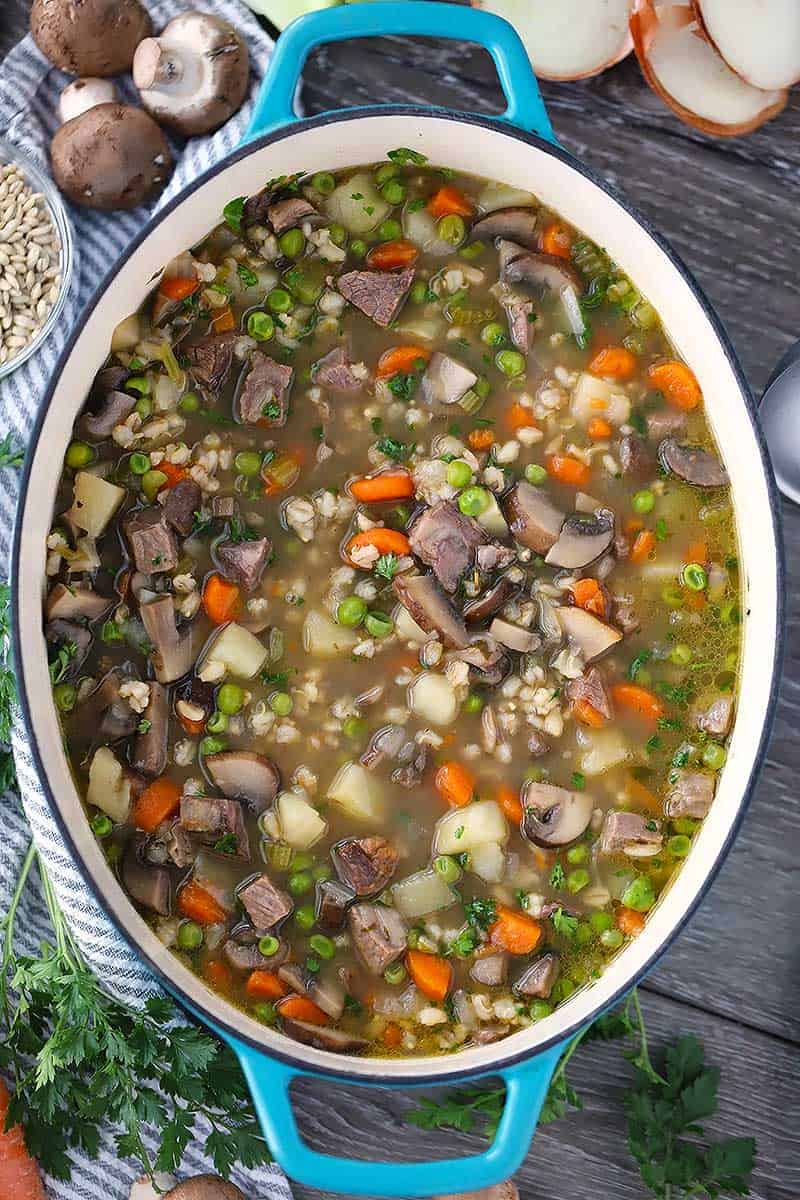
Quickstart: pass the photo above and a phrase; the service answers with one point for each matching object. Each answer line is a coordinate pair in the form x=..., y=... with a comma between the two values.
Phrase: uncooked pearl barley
x=30, y=263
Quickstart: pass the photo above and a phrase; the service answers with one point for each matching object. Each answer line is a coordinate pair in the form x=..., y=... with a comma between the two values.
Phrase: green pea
x=685, y=825
x=139, y=463
x=679, y=845
x=562, y=990
x=323, y=182
x=64, y=695
x=396, y=973
x=601, y=921
x=279, y=300
x=419, y=292
x=358, y=248
x=189, y=403
x=292, y=243
x=101, y=825
x=354, y=728
x=473, y=703
x=459, y=473
x=452, y=229
x=152, y=483
x=78, y=455
x=389, y=230
x=730, y=613
x=260, y=325
x=482, y=387
x=378, y=625
x=230, y=699
x=577, y=880
x=321, y=873
x=612, y=939
x=212, y=745
x=351, y=611
x=144, y=407
x=268, y=945
x=305, y=916
x=583, y=934
x=694, y=577
x=672, y=596
x=535, y=474
x=475, y=250
x=680, y=654
x=281, y=703
x=302, y=860
x=644, y=501
x=493, y=334
x=337, y=234
x=714, y=756
x=322, y=945
x=138, y=383
x=510, y=362
x=190, y=935
x=473, y=501
x=265, y=1012
x=217, y=723
x=578, y=854
x=447, y=867
x=539, y=1009
x=394, y=191
x=385, y=172
x=299, y=882
x=248, y=462
x=639, y=894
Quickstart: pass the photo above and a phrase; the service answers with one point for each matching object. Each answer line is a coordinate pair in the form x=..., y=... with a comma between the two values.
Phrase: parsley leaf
x=9, y=455
x=248, y=277
x=232, y=212
x=144, y=725
x=60, y=664
x=638, y=662
x=557, y=876
x=564, y=923
x=386, y=566
x=399, y=451
x=403, y=157
x=402, y=385
x=578, y=781
x=226, y=844
x=240, y=531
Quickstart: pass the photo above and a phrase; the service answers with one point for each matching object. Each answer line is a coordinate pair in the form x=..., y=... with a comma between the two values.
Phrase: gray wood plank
x=585, y=1155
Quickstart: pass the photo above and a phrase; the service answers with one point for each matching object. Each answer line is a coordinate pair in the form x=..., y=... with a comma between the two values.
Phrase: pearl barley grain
x=30, y=263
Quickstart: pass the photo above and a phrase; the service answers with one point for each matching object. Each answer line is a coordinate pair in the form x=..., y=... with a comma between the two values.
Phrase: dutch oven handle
x=275, y=103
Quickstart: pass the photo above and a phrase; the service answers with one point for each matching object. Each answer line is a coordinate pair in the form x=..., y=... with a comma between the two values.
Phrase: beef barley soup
x=393, y=608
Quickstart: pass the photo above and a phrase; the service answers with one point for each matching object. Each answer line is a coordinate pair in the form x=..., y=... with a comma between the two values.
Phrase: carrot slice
x=302, y=1009
x=629, y=921
x=643, y=547
x=515, y=931
x=388, y=255
x=449, y=201
x=173, y=472
x=588, y=594
x=587, y=714
x=599, y=428
x=480, y=439
x=403, y=359
x=639, y=794
x=199, y=905
x=223, y=320
x=557, y=240
x=696, y=552
x=389, y=485
x=179, y=287
x=454, y=783
x=432, y=974
x=614, y=362
x=160, y=800
x=265, y=985
x=385, y=541
x=218, y=974
x=638, y=699
x=509, y=801
x=677, y=382
x=222, y=600
x=19, y=1171
x=392, y=1035
x=519, y=416
x=566, y=469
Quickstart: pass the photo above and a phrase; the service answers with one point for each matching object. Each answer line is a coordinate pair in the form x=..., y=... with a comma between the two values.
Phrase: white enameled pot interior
x=486, y=150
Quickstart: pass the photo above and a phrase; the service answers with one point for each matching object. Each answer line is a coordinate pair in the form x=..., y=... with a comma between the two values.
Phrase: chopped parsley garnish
x=578, y=781
x=661, y=530
x=226, y=844
x=200, y=523
x=675, y=695
x=60, y=664
x=240, y=531
x=481, y=913
x=638, y=662
x=563, y=923
x=232, y=212
x=248, y=277
x=377, y=424
x=669, y=723
x=403, y=157
x=271, y=409
x=386, y=566
x=653, y=743
x=279, y=677
x=403, y=385
x=111, y=632
x=416, y=204
x=144, y=725
x=459, y=832
x=356, y=195
x=557, y=876
x=399, y=451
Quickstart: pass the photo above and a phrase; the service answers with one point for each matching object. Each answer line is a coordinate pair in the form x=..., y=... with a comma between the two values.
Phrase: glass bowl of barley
x=35, y=256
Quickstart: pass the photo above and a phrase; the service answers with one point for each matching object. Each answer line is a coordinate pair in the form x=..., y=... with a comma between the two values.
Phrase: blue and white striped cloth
x=29, y=90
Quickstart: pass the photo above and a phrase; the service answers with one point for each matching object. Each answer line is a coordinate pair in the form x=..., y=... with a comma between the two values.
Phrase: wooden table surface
x=730, y=207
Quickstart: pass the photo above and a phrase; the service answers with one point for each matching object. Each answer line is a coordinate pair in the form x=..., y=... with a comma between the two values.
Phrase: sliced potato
x=406, y=627
x=432, y=697
x=239, y=649
x=94, y=502
x=357, y=793
x=488, y=862
x=476, y=824
x=493, y=520
x=357, y=204
x=109, y=785
x=422, y=893
x=323, y=638
x=300, y=824
x=595, y=397
x=605, y=748
x=502, y=195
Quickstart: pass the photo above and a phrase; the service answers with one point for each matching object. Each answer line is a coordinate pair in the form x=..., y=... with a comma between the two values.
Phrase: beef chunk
x=211, y=358
x=263, y=397
x=665, y=422
x=179, y=846
x=624, y=615
x=621, y=829
x=213, y=818
x=182, y=502
x=378, y=294
x=224, y=507
x=430, y=608
x=244, y=562
x=537, y=744
x=494, y=556
x=691, y=795
x=520, y=324
x=332, y=900
x=152, y=542
x=334, y=372
x=716, y=719
x=591, y=686
x=446, y=541
x=635, y=459
x=446, y=380
x=289, y=213
x=539, y=978
x=265, y=904
x=366, y=864
x=490, y=969
x=379, y=935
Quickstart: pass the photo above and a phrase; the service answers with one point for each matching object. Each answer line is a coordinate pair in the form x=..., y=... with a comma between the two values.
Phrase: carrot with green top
x=387, y=486
x=454, y=783
x=431, y=973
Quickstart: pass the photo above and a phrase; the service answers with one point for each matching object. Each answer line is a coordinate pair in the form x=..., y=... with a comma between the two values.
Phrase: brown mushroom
x=554, y=816
x=194, y=75
x=112, y=156
x=95, y=37
x=205, y=1187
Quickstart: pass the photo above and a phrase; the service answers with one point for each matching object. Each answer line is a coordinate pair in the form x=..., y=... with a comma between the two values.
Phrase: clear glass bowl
x=40, y=182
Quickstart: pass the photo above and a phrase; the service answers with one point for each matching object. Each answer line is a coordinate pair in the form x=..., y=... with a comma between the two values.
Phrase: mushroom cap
x=82, y=94
x=194, y=75
x=205, y=1187
x=90, y=37
x=112, y=156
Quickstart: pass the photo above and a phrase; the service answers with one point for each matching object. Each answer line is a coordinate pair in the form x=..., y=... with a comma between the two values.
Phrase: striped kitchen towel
x=29, y=90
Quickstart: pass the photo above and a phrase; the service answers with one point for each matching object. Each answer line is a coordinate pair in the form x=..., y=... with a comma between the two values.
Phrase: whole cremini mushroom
x=194, y=75
x=205, y=1187
x=82, y=94
x=111, y=156
x=89, y=37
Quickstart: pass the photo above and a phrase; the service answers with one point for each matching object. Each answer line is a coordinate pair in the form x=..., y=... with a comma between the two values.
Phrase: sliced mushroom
x=545, y=272
x=587, y=634
x=516, y=225
x=205, y=1187
x=490, y=969
x=150, y=748
x=146, y=884
x=487, y=660
x=446, y=380
x=328, y=993
x=554, y=816
x=584, y=538
x=534, y=520
x=692, y=464
x=245, y=775
x=242, y=952
x=430, y=608
x=483, y=607
x=116, y=406
x=173, y=649
x=525, y=641
x=539, y=978
x=72, y=603
x=323, y=1038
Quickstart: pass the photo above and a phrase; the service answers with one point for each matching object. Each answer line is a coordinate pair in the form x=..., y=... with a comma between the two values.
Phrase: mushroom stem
x=154, y=64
